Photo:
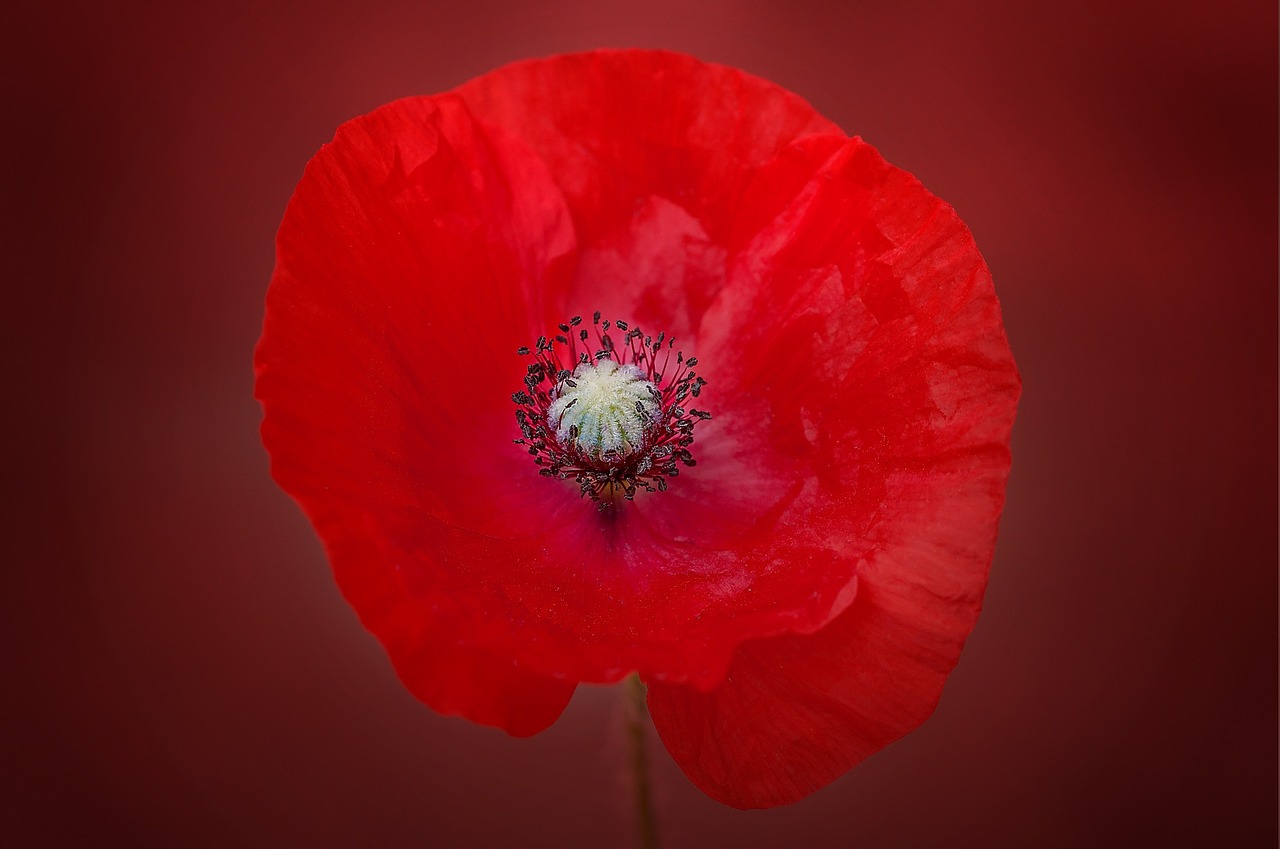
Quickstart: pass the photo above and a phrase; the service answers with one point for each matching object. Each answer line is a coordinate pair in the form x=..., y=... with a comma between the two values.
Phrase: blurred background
x=180, y=669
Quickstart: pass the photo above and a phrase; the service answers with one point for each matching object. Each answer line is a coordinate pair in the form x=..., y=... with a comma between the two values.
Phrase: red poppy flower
x=796, y=599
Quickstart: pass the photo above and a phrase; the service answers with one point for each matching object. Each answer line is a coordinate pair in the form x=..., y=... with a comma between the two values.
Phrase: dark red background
x=180, y=670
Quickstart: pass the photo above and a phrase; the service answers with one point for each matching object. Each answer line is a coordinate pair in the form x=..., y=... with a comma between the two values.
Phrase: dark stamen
x=668, y=425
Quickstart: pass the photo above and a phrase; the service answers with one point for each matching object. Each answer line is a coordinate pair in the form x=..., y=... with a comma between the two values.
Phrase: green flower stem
x=637, y=728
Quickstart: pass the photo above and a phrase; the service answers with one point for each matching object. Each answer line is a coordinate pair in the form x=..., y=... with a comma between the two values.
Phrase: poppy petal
x=795, y=712
x=886, y=350
x=404, y=241
x=432, y=634
x=618, y=128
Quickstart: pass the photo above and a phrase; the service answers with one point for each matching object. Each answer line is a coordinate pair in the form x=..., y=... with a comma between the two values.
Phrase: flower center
x=605, y=411
x=610, y=414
